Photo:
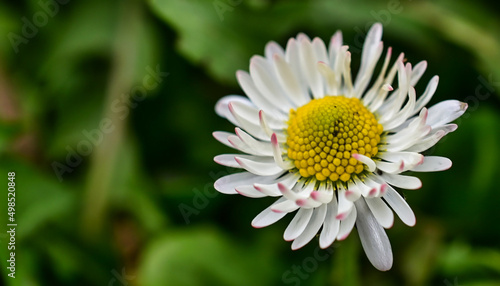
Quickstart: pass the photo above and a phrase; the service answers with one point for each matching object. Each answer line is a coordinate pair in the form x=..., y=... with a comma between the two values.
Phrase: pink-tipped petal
x=249, y=191
x=433, y=164
x=330, y=225
x=277, y=154
x=400, y=206
x=312, y=228
x=267, y=216
x=298, y=224
x=347, y=224
x=285, y=207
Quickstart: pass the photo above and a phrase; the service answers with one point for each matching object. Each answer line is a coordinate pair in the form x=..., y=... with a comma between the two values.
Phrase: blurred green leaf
x=10, y=27
x=228, y=40
x=460, y=258
x=160, y=155
x=202, y=256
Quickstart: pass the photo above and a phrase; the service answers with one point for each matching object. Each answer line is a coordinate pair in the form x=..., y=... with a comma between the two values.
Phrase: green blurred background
x=106, y=115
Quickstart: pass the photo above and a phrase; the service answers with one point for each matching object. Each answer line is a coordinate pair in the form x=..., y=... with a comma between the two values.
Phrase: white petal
x=262, y=148
x=393, y=104
x=414, y=134
x=227, y=160
x=292, y=56
x=323, y=195
x=236, y=143
x=372, y=50
x=249, y=191
x=308, y=203
x=222, y=136
x=227, y=184
x=329, y=77
x=346, y=74
x=363, y=81
x=338, y=67
x=400, y=117
x=446, y=128
x=285, y=207
x=250, y=126
x=222, y=106
x=320, y=50
x=362, y=187
x=289, y=81
x=298, y=224
x=401, y=156
x=289, y=194
x=251, y=114
x=308, y=60
x=335, y=44
x=257, y=166
x=312, y=228
x=267, y=216
x=266, y=82
x=248, y=86
x=402, y=181
x=433, y=164
x=427, y=95
x=418, y=71
x=409, y=159
x=272, y=190
x=411, y=126
x=277, y=154
x=365, y=160
x=304, y=189
x=427, y=142
x=273, y=48
x=445, y=112
x=345, y=205
x=352, y=192
x=379, y=83
x=381, y=211
x=380, y=98
x=373, y=238
x=377, y=187
x=331, y=225
x=400, y=207
x=391, y=167
x=267, y=129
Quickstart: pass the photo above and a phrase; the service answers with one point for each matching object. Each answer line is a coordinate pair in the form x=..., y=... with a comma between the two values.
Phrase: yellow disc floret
x=323, y=134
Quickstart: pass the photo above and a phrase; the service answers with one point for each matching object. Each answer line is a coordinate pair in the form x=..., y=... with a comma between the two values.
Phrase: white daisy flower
x=330, y=149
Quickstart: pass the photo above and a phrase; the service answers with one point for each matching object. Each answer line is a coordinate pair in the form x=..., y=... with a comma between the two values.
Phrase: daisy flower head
x=329, y=147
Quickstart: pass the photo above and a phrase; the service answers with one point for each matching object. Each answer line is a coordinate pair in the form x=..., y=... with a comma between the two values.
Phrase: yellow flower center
x=324, y=133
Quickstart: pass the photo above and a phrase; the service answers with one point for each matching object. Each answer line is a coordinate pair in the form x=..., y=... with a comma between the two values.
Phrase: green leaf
x=224, y=39
x=202, y=256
